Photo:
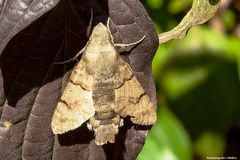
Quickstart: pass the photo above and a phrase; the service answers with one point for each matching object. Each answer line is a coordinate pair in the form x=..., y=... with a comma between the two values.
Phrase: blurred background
x=198, y=85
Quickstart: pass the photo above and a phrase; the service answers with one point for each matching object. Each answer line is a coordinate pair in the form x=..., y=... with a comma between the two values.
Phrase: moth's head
x=100, y=45
x=100, y=34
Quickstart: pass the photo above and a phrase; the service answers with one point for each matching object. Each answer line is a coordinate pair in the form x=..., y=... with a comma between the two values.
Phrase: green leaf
x=177, y=82
x=209, y=144
x=167, y=140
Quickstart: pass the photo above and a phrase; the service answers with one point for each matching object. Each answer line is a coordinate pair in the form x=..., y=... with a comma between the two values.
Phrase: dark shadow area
x=81, y=135
x=113, y=151
x=233, y=143
x=116, y=151
x=29, y=56
x=213, y=2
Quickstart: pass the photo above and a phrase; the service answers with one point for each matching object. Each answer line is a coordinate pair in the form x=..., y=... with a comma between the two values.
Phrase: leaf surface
x=31, y=84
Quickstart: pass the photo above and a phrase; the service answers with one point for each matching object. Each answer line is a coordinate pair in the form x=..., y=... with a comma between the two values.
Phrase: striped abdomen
x=105, y=122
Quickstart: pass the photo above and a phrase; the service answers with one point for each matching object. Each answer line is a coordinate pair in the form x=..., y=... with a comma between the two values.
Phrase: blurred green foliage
x=163, y=142
x=198, y=89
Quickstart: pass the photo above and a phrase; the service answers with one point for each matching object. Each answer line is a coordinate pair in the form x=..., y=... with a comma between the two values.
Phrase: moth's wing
x=75, y=106
x=82, y=76
x=131, y=100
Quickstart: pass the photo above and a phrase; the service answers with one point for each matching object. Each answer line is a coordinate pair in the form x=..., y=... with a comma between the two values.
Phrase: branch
x=201, y=12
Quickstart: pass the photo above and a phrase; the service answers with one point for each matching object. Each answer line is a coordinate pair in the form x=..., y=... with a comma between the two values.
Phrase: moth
x=101, y=91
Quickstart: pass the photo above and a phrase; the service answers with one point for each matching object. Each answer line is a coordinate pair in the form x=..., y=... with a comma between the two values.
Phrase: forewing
x=131, y=99
x=75, y=106
x=82, y=76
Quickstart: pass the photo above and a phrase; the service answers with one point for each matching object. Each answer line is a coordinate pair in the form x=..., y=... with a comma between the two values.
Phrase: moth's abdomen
x=103, y=100
x=105, y=121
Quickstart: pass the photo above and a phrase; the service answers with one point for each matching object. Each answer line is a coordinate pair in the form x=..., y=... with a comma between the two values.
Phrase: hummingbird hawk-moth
x=102, y=89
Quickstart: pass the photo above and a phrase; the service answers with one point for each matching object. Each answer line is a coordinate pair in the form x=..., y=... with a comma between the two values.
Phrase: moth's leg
x=129, y=44
x=89, y=126
x=89, y=27
x=81, y=51
x=118, y=121
x=73, y=58
x=122, y=47
x=94, y=123
x=121, y=122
